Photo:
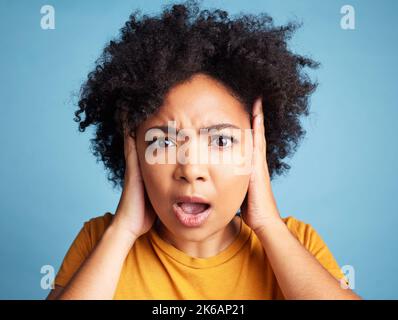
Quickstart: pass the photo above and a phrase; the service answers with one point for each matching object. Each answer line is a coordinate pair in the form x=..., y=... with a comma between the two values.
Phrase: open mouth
x=193, y=207
x=192, y=214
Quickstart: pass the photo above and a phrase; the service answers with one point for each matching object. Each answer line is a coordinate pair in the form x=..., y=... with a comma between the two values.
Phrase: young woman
x=176, y=233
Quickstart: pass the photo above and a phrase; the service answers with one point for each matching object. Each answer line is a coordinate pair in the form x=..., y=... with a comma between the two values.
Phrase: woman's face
x=196, y=163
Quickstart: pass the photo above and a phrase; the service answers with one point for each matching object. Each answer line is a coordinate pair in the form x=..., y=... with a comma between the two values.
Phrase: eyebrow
x=218, y=126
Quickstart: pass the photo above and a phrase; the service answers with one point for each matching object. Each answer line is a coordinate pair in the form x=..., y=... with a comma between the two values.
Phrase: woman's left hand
x=259, y=208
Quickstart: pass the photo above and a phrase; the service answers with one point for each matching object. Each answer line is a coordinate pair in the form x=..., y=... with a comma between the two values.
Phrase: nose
x=190, y=173
x=189, y=166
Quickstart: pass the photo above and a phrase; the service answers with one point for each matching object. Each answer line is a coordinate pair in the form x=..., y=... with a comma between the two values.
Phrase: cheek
x=231, y=189
x=157, y=181
x=157, y=178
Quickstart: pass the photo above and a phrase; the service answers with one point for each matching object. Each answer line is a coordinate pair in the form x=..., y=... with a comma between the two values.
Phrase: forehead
x=200, y=101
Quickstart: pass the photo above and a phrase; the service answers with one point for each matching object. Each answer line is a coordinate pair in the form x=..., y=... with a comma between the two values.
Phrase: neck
x=206, y=248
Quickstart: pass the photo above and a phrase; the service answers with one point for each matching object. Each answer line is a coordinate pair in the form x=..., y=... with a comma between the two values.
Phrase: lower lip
x=191, y=220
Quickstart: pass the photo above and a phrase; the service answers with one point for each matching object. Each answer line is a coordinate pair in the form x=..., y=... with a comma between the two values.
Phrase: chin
x=192, y=234
x=199, y=234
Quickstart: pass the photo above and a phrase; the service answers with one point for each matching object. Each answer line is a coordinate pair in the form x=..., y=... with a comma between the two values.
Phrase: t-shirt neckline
x=201, y=263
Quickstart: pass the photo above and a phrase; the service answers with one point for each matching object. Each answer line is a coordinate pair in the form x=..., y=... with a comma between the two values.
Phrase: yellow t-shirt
x=154, y=269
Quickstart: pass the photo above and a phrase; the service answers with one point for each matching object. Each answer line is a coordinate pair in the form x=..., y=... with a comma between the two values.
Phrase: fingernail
x=259, y=102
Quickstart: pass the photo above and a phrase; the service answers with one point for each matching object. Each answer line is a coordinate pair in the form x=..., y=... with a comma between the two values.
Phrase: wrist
x=118, y=229
x=270, y=226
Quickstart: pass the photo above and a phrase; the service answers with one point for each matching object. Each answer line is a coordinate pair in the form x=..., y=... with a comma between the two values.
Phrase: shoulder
x=96, y=226
x=100, y=222
x=304, y=232
x=314, y=243
x=88, y=236
x=296, y=225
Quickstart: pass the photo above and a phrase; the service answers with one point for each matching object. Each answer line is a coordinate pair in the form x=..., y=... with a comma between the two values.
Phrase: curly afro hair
x=248, y=54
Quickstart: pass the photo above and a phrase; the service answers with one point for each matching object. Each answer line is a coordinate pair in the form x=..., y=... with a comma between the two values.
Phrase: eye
x=222, y=141
x=163, y=142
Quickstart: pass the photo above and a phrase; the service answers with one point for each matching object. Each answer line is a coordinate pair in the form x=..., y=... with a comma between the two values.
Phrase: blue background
x=343, y=178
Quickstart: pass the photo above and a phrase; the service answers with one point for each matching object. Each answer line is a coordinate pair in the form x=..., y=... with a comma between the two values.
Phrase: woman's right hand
x=99, y=272
x=134, y=212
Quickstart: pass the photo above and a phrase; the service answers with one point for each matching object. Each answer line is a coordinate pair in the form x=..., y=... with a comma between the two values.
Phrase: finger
x=130, y=147
x=129, y=141
x=257, y=107
x=258, y=128
x=127, y=144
